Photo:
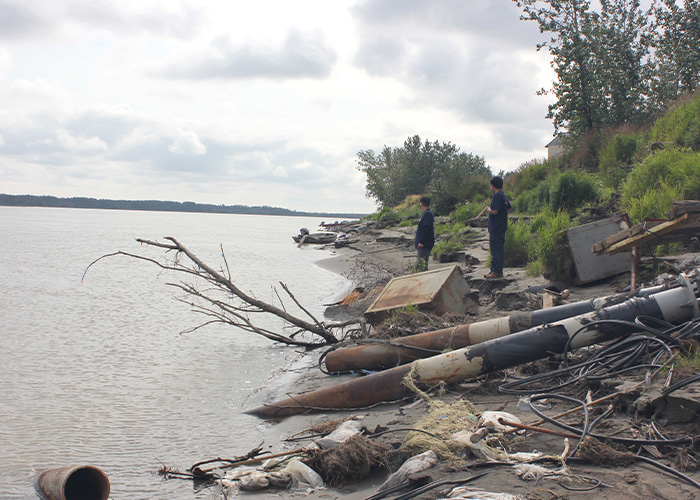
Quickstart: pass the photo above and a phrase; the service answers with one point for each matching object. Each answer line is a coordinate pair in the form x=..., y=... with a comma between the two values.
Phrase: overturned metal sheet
x=441, y=290
x=589, y=266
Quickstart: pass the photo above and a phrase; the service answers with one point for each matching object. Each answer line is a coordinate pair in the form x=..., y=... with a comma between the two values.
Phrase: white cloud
x=187, y=143
x=301, y=55
x=257, y=103
x=72, y=143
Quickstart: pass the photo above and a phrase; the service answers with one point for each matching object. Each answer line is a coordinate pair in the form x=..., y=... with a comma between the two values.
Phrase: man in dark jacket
x=498, y=224
x=425, y=232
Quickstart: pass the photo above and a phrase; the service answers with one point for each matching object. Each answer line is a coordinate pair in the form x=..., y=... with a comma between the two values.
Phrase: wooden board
x=651, y=234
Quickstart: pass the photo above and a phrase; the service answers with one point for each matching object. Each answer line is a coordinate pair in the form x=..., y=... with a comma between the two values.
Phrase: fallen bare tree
x=223, y=302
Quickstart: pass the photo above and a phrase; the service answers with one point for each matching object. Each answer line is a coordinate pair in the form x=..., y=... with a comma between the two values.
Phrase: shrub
x=449, y=229
x=454, y=237
x=444, y=203
x=465, y=211
x=447, y=246
x=572, y=190
x=532, y=201
x=566, y=191
x=529, y=175
x=386, y=214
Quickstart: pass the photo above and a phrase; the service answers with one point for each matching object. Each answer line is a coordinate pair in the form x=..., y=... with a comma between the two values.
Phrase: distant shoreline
x=158, y=206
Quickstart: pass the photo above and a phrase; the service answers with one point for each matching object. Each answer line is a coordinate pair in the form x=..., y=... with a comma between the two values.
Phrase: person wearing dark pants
x=425, y=232
x=498, y=224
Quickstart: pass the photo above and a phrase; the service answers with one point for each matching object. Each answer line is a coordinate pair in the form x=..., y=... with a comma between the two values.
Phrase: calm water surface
x=96, y=372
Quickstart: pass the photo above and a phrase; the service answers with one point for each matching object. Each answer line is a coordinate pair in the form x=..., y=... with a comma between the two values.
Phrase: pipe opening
x=86, y=483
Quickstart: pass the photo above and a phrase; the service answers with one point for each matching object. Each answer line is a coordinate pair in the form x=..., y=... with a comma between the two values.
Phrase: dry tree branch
x=220, y=311
x=241, y=321
x=286, y=289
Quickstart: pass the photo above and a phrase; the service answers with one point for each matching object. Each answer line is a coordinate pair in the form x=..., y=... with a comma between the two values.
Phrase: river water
x=95, y=371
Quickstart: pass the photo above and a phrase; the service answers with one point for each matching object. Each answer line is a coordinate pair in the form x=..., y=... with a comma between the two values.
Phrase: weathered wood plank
x=651, y=233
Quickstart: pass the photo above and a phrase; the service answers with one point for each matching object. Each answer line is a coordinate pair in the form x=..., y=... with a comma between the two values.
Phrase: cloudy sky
x=263, y=102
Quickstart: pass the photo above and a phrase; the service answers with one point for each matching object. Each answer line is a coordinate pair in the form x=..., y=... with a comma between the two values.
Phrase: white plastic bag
x=417, y=463
x=345, y=431
x=302, y=473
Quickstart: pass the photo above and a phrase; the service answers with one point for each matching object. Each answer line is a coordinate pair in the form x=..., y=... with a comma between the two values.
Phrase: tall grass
x=519, y=249
x=653, y=203
x=671, y=174
x=680, y=125
x=551, y=246
x=617, y=157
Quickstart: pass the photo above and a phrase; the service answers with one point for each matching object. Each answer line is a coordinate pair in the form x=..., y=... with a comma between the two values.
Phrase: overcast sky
x=263, y=102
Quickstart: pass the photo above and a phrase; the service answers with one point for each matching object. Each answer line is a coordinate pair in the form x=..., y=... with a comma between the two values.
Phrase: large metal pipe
x=78, y=482
x=675, y=306
x=399, y=351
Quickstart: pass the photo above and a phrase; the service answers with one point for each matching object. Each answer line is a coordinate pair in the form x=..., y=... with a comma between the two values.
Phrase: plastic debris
x=345, y=431
x=417, y=463
x=254, y=481
x=534, y=472
x=490, y=420
x=525, y=405
x=302, y=473
x=467, y=493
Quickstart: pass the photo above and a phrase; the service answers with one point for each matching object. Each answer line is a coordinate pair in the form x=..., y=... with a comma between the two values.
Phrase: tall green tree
x=419, y=167
x=677, y=44
x=570, y=24
x=622, y=42
x=461, y=177
x=601, y=59
x=383, y=174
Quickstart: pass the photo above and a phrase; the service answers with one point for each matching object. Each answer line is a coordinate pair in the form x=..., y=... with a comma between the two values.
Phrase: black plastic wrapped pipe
x=675, y=306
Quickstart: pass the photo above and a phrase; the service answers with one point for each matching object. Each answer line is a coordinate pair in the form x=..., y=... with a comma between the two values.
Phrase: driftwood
x=214, y=302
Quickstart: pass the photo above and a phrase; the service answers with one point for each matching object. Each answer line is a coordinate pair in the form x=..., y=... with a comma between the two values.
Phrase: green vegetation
x=438, y=169
x=689, y=361
x=637, y=61
x=617, y=158
x=403, y=214
x=465, y=211
x=670, y=174
x=519, y=247
x=451, y=237
x=639, y=170
x=568, y=190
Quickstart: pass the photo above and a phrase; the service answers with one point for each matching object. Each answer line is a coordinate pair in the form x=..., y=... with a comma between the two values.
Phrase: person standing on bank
x=498, y=224
x=425, y=232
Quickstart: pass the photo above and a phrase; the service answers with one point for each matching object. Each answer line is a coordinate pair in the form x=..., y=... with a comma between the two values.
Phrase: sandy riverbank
x=389, y=252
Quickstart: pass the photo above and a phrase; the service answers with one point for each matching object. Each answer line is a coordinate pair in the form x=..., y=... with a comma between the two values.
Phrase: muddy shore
x=380, y=253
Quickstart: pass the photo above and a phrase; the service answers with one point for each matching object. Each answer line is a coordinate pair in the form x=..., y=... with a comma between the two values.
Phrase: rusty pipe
x=78, y=482
x=675, y=306
x=402, y=350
